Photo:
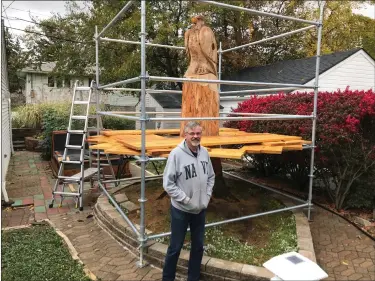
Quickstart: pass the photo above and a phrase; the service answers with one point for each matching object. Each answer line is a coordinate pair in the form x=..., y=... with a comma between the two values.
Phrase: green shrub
x=362, y=194
x=28, y=116
x=115, y=123
x=55, y=117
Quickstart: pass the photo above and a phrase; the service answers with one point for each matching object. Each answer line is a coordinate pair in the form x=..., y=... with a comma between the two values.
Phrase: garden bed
x=286, y=186
x=37, y=253
x=251, y=241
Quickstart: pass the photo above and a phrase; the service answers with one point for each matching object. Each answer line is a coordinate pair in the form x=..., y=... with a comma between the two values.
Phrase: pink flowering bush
x=345, y=138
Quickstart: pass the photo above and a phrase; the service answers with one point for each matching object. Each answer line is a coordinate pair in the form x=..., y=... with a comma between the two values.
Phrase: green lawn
x=35, y=254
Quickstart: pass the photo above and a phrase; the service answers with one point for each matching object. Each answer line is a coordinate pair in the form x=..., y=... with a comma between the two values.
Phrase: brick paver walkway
x=103, y=255
x=342, y=250
x=29, y=185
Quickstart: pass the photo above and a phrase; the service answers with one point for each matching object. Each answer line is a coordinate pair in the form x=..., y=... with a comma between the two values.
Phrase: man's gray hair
x=191, y=125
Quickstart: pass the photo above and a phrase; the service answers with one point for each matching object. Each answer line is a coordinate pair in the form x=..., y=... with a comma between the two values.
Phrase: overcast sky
x=44, y=9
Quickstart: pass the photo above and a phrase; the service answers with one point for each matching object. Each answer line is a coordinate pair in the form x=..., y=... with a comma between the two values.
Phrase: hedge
x=345, y=140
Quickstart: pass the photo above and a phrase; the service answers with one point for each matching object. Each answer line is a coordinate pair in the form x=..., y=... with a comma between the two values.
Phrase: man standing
x=188, y=179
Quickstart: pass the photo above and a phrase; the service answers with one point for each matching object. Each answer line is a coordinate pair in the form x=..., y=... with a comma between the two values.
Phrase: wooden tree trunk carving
x=202, y=99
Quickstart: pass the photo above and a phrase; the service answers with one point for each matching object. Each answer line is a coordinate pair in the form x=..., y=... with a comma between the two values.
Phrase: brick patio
x=343, y=251
x=29, y=185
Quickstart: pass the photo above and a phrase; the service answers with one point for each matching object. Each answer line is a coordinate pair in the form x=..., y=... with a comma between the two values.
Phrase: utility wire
x=59, y=38
x=4, y=11
x=52, y=36
x=37, y=23
x=8, y=6
x=29, y=11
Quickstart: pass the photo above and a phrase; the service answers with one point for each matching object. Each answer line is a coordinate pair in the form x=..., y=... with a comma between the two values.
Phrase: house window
x=67, y=82
x=51, y=81
x=59, y=82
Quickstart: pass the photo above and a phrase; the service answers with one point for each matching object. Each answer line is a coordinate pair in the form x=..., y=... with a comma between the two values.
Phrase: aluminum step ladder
x=79, y=178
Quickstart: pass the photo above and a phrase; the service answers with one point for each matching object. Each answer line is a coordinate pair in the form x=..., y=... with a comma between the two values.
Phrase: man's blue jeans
x=180, y=221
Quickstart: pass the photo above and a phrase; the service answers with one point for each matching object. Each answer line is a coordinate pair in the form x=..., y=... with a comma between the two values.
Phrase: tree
x=342, y=29
x=17, y=59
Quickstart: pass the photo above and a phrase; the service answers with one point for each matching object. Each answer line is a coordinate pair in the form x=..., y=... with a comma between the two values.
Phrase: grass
x=35, y=254
x=160, y=165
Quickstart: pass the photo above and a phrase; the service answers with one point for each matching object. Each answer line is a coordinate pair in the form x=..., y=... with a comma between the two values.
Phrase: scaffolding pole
x=251, y=11
x=264, y=117
x=270, y=38
x=139, y=43
x=118, y=208
x=142, y=200
x=127, y=81
x=255, y=91
x=227, y=82
x=316, y=91
x=116, y=18
x=259, y=118
x=156, y=236
x=259, y=91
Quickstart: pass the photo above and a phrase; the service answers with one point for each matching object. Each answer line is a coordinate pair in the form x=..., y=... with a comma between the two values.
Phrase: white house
x=6, y=125
x=43, y=86
x=353, y=68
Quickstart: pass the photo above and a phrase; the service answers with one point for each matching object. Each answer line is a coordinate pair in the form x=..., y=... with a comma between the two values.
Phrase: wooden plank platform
x=159, y=143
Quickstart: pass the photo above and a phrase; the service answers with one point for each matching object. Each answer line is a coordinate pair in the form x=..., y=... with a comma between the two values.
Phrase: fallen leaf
x=344, y=262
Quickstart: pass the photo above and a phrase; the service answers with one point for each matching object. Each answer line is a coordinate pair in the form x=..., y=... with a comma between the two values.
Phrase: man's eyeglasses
x=192, y=134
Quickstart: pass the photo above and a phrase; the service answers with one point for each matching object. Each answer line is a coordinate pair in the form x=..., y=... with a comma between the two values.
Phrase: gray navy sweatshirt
x=189, y=180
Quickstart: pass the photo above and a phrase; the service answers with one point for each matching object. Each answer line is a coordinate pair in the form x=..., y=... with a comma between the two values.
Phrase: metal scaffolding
x=143, y=118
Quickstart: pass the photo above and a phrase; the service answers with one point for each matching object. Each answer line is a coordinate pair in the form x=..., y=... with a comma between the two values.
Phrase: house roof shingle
x=298, y=71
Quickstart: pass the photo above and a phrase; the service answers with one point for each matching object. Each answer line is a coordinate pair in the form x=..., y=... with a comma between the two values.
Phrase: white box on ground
x=294, y=266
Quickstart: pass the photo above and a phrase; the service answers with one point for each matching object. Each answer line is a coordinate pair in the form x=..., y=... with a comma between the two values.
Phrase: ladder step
x=66, y=193
x=70, y=179
x=92, y=116
x=86, y=173
x=81, y=102
x=83, y=88
x=78, y=147
x=76, y=131
x=79, y=117
x=101, y=164
x=71, y=162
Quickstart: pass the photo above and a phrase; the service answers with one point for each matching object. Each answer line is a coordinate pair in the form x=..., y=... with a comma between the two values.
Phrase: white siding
x=151, y=104
x=229, y=104
x=38, y=91
x=120, y=99
x=357, y=72
x=171, y=124
x=6, y=135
